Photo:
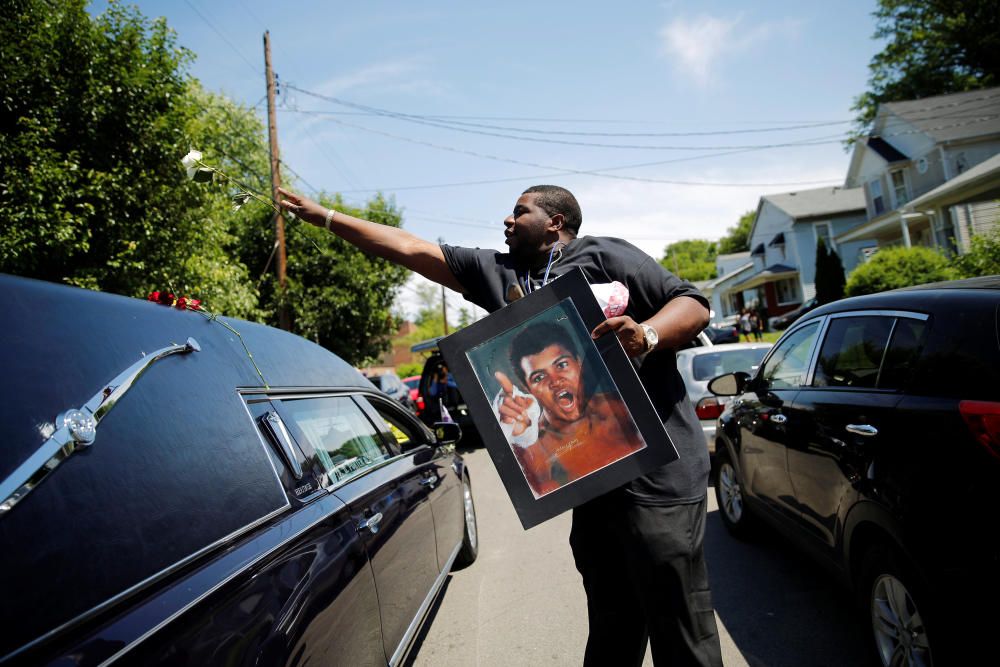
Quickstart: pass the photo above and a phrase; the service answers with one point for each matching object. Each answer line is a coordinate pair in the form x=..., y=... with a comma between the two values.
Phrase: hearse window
x=400, y=432
x=786, y=367
x=852, y=352
x=336, y=434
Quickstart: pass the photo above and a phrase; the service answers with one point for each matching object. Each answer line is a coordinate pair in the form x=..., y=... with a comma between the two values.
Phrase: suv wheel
x=729, y=494
x=470, y=538
x=898, y=626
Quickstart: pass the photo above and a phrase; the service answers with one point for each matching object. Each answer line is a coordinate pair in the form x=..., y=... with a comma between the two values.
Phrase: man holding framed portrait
x=639, y=547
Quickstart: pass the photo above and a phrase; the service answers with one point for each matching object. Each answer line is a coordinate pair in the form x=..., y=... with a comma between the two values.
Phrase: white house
x=929, y=171
x=780, y=270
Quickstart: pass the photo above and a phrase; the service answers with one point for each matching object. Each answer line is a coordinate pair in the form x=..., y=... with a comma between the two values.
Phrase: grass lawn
x=768, y=337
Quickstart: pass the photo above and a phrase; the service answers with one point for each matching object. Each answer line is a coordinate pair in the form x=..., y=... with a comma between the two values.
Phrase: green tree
x=893, y=268
x=982, y=259
x=932, y=47
x=737, y=238
x=691, y=260
x=829, y=274
x=96, y=112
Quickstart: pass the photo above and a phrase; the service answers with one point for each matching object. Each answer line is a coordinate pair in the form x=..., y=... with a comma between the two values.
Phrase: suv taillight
x=709, y=408
x=420, y=404
x=983, y=418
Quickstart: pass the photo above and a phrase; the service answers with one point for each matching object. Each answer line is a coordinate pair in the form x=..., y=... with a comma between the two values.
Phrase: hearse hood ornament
x=76, y=428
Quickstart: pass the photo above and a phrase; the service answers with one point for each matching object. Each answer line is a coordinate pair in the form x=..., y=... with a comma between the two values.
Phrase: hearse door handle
x=429, y=481
x=778, y=418
x=371, y=523
x=866, y=430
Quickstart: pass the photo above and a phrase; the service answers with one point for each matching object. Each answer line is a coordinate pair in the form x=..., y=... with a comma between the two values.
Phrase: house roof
x=712, y=284
x=770, y=274
x=885, y=150
x=819, y=201
x=951, y=117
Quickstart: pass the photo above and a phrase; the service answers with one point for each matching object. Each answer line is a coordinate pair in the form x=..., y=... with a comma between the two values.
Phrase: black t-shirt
x=491, y=281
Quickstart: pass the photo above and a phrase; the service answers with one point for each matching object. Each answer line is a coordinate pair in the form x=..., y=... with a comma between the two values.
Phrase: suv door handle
x=778, y=418
x=865, y=430
x=371, y=523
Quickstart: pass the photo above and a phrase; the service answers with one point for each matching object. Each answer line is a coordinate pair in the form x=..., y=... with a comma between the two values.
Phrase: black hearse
x=162, y=502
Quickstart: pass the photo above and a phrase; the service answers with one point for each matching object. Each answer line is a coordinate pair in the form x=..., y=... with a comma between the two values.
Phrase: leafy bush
x=409, y=368
x=893, y=268
x=983, y=258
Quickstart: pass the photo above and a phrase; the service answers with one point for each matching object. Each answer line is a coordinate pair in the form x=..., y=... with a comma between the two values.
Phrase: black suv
x=870, y=435
x=163, y=503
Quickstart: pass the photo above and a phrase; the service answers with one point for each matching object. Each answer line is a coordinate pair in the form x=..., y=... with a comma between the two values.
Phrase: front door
x=767, y=422
x=849, y=413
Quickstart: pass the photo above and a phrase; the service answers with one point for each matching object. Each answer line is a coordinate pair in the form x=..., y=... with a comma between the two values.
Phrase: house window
x=875, y=190
x=899, y=188
x=824, y=231
x=787, y=291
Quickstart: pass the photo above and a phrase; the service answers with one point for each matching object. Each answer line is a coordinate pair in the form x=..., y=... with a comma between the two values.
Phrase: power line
x=565, y=142
x=563, y=170
x=445, y=121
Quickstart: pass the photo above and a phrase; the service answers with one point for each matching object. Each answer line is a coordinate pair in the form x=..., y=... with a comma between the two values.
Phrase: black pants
x=644, y=573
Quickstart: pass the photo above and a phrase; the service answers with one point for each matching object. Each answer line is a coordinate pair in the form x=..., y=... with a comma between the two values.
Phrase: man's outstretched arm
x=391, y=243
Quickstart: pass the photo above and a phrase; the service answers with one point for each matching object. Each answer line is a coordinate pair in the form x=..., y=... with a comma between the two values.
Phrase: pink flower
x=153, y=296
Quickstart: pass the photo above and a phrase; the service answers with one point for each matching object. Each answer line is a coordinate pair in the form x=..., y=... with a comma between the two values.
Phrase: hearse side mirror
x=447, y=433
x=729, y=384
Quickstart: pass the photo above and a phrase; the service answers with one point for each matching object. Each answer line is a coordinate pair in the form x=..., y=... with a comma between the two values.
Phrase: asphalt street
x=521, y=602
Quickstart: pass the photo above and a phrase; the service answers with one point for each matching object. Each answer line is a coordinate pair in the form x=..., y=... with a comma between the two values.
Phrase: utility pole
x=279, y=222
x=444, y=303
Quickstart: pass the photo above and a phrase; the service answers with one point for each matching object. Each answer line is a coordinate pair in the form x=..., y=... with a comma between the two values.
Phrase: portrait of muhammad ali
x=554, y=399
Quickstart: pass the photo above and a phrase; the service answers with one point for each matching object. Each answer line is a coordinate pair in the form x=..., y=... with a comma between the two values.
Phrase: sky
x=667, y=120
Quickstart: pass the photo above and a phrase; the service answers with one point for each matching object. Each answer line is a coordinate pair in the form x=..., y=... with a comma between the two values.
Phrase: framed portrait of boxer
x=564, y=417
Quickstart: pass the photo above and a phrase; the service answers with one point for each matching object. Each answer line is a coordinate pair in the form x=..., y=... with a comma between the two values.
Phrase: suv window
x=336, y=435
x=786, y=367
x=904, y=350
x=852, y=351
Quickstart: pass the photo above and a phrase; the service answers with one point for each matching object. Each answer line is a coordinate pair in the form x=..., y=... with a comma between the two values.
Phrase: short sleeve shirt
x=491, y=281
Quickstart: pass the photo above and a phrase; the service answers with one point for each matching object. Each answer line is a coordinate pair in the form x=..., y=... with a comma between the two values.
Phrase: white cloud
x=696, y=45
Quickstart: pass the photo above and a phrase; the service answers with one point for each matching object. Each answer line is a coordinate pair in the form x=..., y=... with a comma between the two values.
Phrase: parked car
x=698, y=365
x=722, y=334
x=391, y=384
x=701, y=340
x=413, y=384
x=164, y=503
x=871, y=436
x=780, y=322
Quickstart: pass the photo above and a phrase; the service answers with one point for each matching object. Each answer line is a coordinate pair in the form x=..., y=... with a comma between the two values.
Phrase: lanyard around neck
x=559, y=245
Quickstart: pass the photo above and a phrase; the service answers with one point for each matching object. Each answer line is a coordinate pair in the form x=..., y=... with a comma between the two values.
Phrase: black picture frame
x=580, y=468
